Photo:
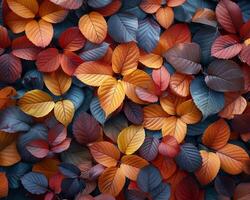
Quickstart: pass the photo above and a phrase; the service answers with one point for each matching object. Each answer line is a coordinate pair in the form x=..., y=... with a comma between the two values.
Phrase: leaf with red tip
x=38, y=148
x=169, y=146
x=62, y=146
x=226, y=46
x=161, y=78
x=70, y=61
x=145, y=95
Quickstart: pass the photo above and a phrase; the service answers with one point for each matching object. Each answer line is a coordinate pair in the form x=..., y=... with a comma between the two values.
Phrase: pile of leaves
x=125, y=99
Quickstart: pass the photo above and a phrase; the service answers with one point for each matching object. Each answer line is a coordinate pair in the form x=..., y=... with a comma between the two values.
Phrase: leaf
x=148, y=34
x=232, y=158
x=123, y=27
x=69, y=170
x=205, y=16
x=86, y=129
x=242, y=191
x=131, y=165
x=125, y=58
x=154, y=117
x=25, y=9
x=209, y=169
x=47, y=166
x=208, y=101
x=36, y=103
x=150, y=6
x=174, y=126
x=76, y=95
x=184, y=61
x=111, y=95
x=216, y=135
x=188, y=112
x=35, y=183
x=189, y=158
x=105, y=153
x=161, y=78
x=10, y=68
x=226, y=46
x=169, y=146
x=94, y=27
x=6, y=139
x=224, y=12
x=133, y=112
x=23, y=48
x=130, y=139
x=6, y=97
x=145, y=95
x=165, y=16
x=148, y=178
x=57, y=82
x=13, y=120
x=71, y=39
x=38, y=148
x=161, y=192
x=235, y=105
x=48, y=60
x=69, y=4
x=9, y=155
x=244, y=55
x=149, y=148
x=178, y=33
x=51, y=12
x=180, y=84
x=225, y=185
x=5, y=40
x=166, y=166
x=4, y=188
x=111, y=181
x=170, y=102
x=224, y=76
x=98, y=3
x=111, y=8
x=64, y=111
x=151, y=60
x=39, y=33
x=93, y=73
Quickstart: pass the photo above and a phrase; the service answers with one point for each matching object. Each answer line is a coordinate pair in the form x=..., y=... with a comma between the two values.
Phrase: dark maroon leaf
x=224, y=76
x=133, y=112
x=185, y=58
x=57, y=134
x=225, y=185
x=240, y=123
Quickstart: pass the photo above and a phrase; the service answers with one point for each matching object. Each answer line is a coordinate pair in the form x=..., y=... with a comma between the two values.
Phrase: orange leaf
x=105, y=153
x=6, y=95
x=125, y=58
x=232, y=158
x=178, y=33
x=151, y=60
x=94, y=27
x=4, y=186
x=175, y=3
x=51, y=12
x=57, y=82
x=138, y=78
x=180, y=84
x=174, y=126
x=39, y=33
x=165, y=16
x=205, y=16
x=111, y=181
x=188, y=112
x=9, y=155
x=25, y=9
x=216, y=135
x=93, y=73
x=167, y=166
x=64, y=111
x=209, y=169
x=170, y=102
x=150, y=6
x=154, y=117
x=111, y=95
x=47, y=166
x=131, y=165
x=111, y=8
x=6, y=139
x=235, y=105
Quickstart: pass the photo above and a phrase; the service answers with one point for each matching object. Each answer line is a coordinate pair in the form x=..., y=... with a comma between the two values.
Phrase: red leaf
x=145, y=95
x=169, y=146
x=10, y=68
x=62, y=146
x=72, y=39
x=69, y=62
x=161, y=77
x=48, y=60
x=38, y=148
x=229, y=15
x=57, y=134
x=226, y=46
x=245, y=30
x=55, y=182
x=245, y=54
x=4, y=38
x=23, y=48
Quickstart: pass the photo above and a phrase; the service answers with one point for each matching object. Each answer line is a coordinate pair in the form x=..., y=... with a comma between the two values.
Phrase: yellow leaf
x=9, y=155
x=111, y=95
x=57, y=82
x=93, y=73
x=130, y=139
x=36, y=103
x=64, y=111
x=151, y=60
